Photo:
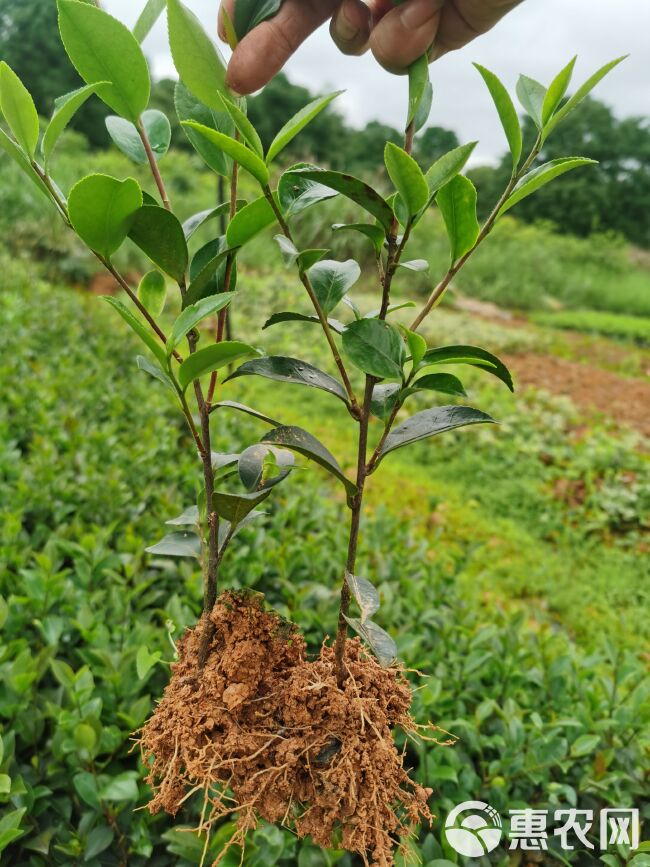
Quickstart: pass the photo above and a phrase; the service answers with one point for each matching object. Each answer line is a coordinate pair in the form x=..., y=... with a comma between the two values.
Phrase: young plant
x=277, y=726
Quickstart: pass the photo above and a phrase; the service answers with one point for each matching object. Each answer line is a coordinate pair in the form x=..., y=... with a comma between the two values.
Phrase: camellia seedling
x=247, y=720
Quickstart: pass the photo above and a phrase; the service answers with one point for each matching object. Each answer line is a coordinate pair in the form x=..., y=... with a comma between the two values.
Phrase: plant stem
x=155, y=171
x=304, y=279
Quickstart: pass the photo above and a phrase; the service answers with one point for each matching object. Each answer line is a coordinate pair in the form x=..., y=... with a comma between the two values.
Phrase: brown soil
x=626, y=401
x=266, y=734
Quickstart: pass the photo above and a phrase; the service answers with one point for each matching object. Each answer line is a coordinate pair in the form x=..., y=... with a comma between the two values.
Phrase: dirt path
x=622, y=399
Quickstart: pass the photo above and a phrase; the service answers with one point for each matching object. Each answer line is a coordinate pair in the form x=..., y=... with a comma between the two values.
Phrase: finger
x=463, y=20
x=266, y=49
x=405, y=33
x=350, y=27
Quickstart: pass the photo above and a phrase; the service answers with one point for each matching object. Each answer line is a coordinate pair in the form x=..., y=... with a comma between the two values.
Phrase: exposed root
x=266, y=734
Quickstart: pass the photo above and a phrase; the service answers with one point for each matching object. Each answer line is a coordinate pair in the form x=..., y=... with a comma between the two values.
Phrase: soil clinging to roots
x=267, y=734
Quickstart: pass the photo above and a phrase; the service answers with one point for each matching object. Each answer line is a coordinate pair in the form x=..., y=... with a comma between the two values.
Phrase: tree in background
x=432, y=143
x=614, y=197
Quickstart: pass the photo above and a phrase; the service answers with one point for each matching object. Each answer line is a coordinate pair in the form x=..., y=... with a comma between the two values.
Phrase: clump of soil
x=263, y=732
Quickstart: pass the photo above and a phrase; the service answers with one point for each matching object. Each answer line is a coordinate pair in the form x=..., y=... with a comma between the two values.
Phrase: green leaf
x=556, y=91
x=365, y=595
x=296, y=193
x=407, y=177
x=145, y=661
x=445, y=383
x=385, y=397
x=240, y=407
x=125, y=135
x=331, y=280
x=288, y=249
x=154, y=370
x=85, y=785
x=250, y=221
x=418, y=86
x=299, y=440
x=245, y=127
x=152, y=292
x=473, y=355
x=101, y=48
x=375, y=347
x=146, y=336
x=19, y=110
x=531, y=96
x=375, y=233
x=584, y=745
x=308, y=258
x=147, y=18
x=250, y=13
x=16, y=154
x=188, y=518
x=293, y=371
x=447, y=167
x=197, y=59
x=580, y=95
x=258, y=461
x=380, y=642
x=194, y=314
x=102, y=210
x=297, y=123
x=196, y=221
x=157, y=232
x=507, y=113
x=65, y=109
x=177, y=545
x=419, y=265
x=417, y=346
x=424, y=109
x=208, y=272
x=290, y=316
x=431, y=422
x=235, y=149
x=123, y=787
x=188, y=107
x=457, y=203
x=212, y=358
x=235, y=507
x=353, y=188
x=98, y=841
x=541, y=176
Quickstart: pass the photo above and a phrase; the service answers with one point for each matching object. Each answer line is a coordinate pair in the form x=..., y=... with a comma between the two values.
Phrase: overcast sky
x=538, y=38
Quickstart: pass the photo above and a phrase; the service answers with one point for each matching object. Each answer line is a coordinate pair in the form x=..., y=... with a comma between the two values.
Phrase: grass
x=631, y=328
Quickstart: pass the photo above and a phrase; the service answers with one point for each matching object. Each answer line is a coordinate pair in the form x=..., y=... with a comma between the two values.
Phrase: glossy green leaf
x=424, y=109
x=374, y=233
x=299, y=440
x=390, y=309
x=158, y=233
x=418, y=81
x=580, y=94
x=293, y=371
x=212, y=358
x=296, y=193
x=297, y=123
x=226, y=530
x=234, y=149
x=445, y=383
x=380, y=642
x=18, y=109
x=507, y=113
x=331, y=280
x=556, y=91
x=188, y=518
x=154, y=371
x=290, y=316
x=431, y=422
x=196, y=221
x=195, y=314
x=101, y=48
x=189, y=107
x=10, y=147
x=407, y=178
x=245, y=127
x=375, y=347
x=353, y=188
x=152, y=292
x=197, y=59
x=418, y=265
x=144, y=333
x=531, y=96
x=417, y=346
x=541, y=176
x=447, y=167
x=250, y=13
x=288, y=249
x=147, y=18
x=181, y=544
x=235, y=507
x=65, y=109
x=102, y=211
x=308, y=258
x=385, y=397
x=250, y=221
x=365, y=595
x=145, y=661
x=240, y=407
x=262, y=466
x=208, y=272
x=126, y=137
x=474, y=355
x=457, y=203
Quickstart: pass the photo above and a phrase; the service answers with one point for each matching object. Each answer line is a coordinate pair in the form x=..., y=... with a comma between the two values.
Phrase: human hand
x=396, y=35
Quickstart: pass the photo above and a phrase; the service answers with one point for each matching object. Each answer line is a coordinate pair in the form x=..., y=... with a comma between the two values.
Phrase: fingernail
x=415, y=13
x=345, y=29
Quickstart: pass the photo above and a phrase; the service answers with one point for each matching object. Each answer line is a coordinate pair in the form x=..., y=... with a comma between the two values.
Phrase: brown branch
x=155, y=171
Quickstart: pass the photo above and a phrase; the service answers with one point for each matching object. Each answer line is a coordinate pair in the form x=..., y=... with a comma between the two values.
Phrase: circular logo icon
x=473, y=828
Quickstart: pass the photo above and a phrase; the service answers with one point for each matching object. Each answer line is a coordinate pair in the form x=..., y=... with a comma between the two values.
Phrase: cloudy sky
x=537, y=38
